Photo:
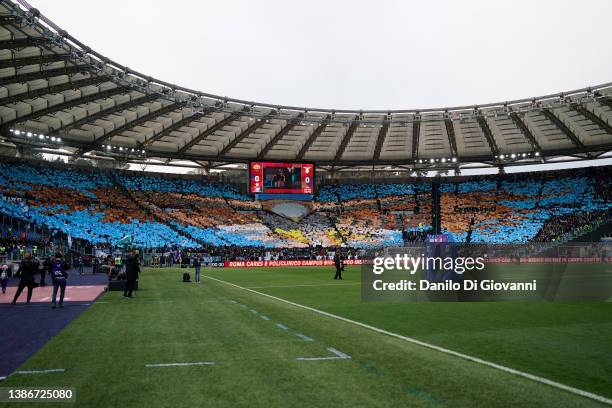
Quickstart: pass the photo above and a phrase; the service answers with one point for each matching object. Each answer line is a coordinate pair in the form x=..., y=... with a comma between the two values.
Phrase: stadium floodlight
x=53, y=138
x=108, y=147
x=11, y=130
x=443, y=160
x=17, y=132
x=501, y=156
x=524, y=154
x=431, y=160
x=41, y=137
x=120, y=149
x=454, y=160
x=29, y=134
x=513, y=155
x=537, y=154
x=59, y=139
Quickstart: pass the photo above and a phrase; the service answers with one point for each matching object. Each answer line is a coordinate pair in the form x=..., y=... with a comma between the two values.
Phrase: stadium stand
x=103, y=207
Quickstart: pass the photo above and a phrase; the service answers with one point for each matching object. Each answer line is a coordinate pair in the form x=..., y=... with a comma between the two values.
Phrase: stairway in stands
x=127, y=193
x=468, y=237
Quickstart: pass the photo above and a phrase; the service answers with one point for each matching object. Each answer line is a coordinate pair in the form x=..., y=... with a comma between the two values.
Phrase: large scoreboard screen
x=281, y=178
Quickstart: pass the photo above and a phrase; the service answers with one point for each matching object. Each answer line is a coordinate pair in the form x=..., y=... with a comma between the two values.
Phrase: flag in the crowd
x=126, y=240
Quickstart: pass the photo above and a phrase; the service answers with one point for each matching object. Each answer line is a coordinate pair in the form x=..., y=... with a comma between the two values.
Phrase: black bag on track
x=186, y=277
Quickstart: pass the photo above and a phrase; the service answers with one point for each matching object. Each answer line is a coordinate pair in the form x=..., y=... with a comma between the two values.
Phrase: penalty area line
x=535, y=378
x=338, y=355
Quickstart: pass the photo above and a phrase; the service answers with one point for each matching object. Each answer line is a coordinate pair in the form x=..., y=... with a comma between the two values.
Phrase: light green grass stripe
x=477, y=360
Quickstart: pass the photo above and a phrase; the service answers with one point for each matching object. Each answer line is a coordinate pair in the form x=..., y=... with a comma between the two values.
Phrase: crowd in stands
x=102, y=208
x=377, y=215
x=523, y=208
x=13, y=247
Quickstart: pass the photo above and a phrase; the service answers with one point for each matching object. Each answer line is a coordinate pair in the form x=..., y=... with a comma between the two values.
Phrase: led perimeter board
x=281, y=178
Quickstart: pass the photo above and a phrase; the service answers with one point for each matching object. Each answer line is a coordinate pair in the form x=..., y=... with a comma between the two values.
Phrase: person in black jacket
x=132, y=269
x=27, y=271
x=59, y=276
x=339, y=266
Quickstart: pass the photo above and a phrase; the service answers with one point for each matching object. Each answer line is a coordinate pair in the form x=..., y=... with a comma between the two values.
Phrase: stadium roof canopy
x=57, y=92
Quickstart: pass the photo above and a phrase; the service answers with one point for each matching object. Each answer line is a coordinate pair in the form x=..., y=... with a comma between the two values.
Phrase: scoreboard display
x=281, y=178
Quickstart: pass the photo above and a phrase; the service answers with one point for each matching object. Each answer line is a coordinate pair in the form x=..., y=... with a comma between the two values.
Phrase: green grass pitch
x=272, y=354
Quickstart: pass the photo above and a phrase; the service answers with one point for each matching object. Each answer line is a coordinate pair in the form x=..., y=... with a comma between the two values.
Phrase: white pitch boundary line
x=542, y=380
x=300, y=286
x=195, y=363
x=338, y=356
x=50, y=370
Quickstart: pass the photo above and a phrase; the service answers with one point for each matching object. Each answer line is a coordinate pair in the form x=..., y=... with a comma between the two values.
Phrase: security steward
x=28, y=269
x=339, y=264
x=132, y=269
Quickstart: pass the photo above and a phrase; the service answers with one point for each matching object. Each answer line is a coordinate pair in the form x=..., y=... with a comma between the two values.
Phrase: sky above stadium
x=353, y=54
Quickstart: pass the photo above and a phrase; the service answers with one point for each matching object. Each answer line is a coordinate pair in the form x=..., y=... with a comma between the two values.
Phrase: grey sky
x=353, y=54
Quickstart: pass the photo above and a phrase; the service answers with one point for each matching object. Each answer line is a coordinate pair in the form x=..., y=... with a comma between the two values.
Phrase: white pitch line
x=50, y=370
x=195, y=363
x=282, y=326
x=338, y=356
x=304, y=337
x=300, y=286
x=264, y=317
x=542, y=380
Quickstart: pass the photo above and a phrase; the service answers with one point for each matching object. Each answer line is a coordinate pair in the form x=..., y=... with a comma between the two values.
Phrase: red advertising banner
x=329, y=262
x=266, y=264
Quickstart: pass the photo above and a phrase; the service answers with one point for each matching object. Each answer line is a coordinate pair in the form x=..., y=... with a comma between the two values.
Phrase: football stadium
x=162, y=246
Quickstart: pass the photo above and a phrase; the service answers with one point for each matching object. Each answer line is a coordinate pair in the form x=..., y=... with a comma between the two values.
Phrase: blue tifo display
x=157, y=211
